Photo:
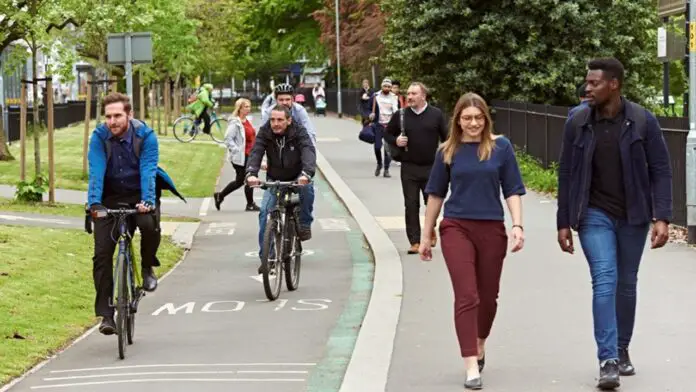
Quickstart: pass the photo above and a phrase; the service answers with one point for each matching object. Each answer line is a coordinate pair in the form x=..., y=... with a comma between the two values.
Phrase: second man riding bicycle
x=291, y=156
x=200, y=106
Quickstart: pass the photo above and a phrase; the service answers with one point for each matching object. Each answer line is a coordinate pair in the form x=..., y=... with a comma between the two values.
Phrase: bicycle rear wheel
x=122, y=305
x=218, y=129
x=184, y=130
x=270, y=260
x=294, y=260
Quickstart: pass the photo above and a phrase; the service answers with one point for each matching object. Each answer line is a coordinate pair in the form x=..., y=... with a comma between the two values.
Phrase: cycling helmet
x=283, y=88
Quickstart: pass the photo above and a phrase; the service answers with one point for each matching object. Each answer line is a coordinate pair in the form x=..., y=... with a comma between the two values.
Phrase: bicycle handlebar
x=278, y=184
x=103, y=213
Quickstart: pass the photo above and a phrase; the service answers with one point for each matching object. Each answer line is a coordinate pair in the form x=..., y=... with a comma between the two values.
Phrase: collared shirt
x=607, y=184
x=299, y=114
x=420, y=110
x=123, y=168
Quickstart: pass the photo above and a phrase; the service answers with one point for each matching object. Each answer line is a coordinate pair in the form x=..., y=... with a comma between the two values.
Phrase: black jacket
x=288, y=155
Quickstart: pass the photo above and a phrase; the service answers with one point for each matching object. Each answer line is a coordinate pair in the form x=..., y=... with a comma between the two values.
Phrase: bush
x=30, y=192
x=535, y=176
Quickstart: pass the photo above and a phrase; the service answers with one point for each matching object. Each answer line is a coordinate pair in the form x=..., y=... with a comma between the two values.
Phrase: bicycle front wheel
x=294, y=261
x=184, y=129
x=270, y=260
x=218, y=128
x=122, y=305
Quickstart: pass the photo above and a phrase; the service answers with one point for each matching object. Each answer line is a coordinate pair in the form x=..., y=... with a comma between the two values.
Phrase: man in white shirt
x=384, y=105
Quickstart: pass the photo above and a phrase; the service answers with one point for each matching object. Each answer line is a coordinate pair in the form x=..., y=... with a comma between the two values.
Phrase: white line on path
x=166, y=365
x=176, y=373
x=82, y=384
x=28, y=219
x=369, y=364
x=204, y=207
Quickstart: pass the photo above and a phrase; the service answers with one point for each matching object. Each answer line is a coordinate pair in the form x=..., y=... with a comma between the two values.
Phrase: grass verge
x=63, y=209
x=193, y=167
x=535, y=176
x=47, y=296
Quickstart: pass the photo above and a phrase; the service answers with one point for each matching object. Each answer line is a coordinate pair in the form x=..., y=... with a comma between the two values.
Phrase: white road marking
x=334, y=224
x=328, y=139
x=176, y=373
x=28, y=219
x=204, y=207
x=221, y=228
x=169, y=365
x=305, y=252
x=82, y=384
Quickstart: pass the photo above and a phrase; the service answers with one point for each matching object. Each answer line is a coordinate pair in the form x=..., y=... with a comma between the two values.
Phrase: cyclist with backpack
x=123, y=168
x=199, y=105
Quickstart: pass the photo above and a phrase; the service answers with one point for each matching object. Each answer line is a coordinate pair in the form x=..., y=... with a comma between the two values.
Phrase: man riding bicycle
x=200, y=106
x=123, y=157
x=284, y=96
x=291, y=155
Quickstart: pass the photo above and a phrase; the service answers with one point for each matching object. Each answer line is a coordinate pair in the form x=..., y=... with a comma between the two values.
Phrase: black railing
x=64, y=114
x=538, y=129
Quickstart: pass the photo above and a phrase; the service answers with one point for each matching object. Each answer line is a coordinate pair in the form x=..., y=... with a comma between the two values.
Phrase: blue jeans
x=613, y=249
x=306, y=209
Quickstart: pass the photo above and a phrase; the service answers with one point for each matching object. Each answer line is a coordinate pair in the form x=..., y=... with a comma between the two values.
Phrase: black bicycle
x=128, y=281
x=281, y=253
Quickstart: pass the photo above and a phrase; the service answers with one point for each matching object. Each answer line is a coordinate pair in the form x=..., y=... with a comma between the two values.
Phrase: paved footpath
x=542, y=339
x=208, y=327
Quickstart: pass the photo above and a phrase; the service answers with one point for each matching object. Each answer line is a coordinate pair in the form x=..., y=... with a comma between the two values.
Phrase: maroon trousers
x=474, y=251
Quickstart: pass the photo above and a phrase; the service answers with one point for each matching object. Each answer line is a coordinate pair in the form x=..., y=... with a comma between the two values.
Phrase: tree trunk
x=5, y=154
x=35, y=120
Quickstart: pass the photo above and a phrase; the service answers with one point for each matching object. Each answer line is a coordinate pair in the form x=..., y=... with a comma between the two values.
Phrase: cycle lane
x=209, y=326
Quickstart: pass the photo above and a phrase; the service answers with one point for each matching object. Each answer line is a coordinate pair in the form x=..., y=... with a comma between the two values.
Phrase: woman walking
x=475, y=165
x=239, y=140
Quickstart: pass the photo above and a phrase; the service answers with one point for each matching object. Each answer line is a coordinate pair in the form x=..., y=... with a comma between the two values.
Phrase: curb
x=368, y=368
x=46, y=361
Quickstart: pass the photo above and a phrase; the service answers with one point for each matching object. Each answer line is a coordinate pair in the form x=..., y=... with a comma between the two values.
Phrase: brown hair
x=424, y=89
x=118, y=97
x=450, y=146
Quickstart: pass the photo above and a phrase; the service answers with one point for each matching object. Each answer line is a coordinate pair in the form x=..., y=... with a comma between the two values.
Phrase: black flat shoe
x=626, y=367
x=474, y=384
x=482, y=363
x=217, y=200
x=609, y=376
x=108, y=326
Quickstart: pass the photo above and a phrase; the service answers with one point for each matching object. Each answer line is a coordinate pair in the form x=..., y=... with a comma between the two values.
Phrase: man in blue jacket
x=614, y=180
x=582, y=96
x=123, y=157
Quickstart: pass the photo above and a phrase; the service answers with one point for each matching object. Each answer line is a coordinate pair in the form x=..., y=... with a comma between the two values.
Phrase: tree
x=532, y=50
x=362, y=25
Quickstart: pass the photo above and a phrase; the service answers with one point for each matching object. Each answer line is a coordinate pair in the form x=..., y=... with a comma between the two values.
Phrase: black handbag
x=396, y=152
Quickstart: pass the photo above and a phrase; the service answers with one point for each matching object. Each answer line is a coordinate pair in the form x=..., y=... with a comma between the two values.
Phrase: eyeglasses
x=468, y=119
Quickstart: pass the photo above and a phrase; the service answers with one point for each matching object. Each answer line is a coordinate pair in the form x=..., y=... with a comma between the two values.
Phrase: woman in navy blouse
x=474, y=165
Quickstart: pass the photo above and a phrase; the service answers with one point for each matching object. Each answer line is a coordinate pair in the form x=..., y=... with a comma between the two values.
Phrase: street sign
x=670, y=7
x=670, y=46
x=128, y=49
x=141, y=48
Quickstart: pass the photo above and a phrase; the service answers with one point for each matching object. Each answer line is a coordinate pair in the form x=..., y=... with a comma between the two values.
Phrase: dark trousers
x=414, y=178
x=206, y=121
x=379, y=141
x=474, y=251
x=105, y=243
x=240, y=172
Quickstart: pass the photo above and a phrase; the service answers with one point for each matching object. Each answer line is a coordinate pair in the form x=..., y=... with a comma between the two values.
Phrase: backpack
x=581, y=116
x=194, y=96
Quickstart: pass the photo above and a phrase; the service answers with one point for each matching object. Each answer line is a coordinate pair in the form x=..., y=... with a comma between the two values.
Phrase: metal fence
x=64, y=114
x=538, y=130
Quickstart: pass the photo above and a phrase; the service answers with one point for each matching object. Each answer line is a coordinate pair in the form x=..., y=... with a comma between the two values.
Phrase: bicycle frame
x=281, y=210
x=125, y=248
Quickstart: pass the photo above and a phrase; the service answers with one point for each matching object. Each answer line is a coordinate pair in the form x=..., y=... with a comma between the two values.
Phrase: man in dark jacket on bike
x=290, y=156
x=123, y=157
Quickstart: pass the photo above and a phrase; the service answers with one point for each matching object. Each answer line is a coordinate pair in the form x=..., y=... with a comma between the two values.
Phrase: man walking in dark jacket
x=614, y=179
x=425, y=128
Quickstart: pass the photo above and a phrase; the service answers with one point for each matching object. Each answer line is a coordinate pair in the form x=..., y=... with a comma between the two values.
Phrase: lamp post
x=338, y=64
